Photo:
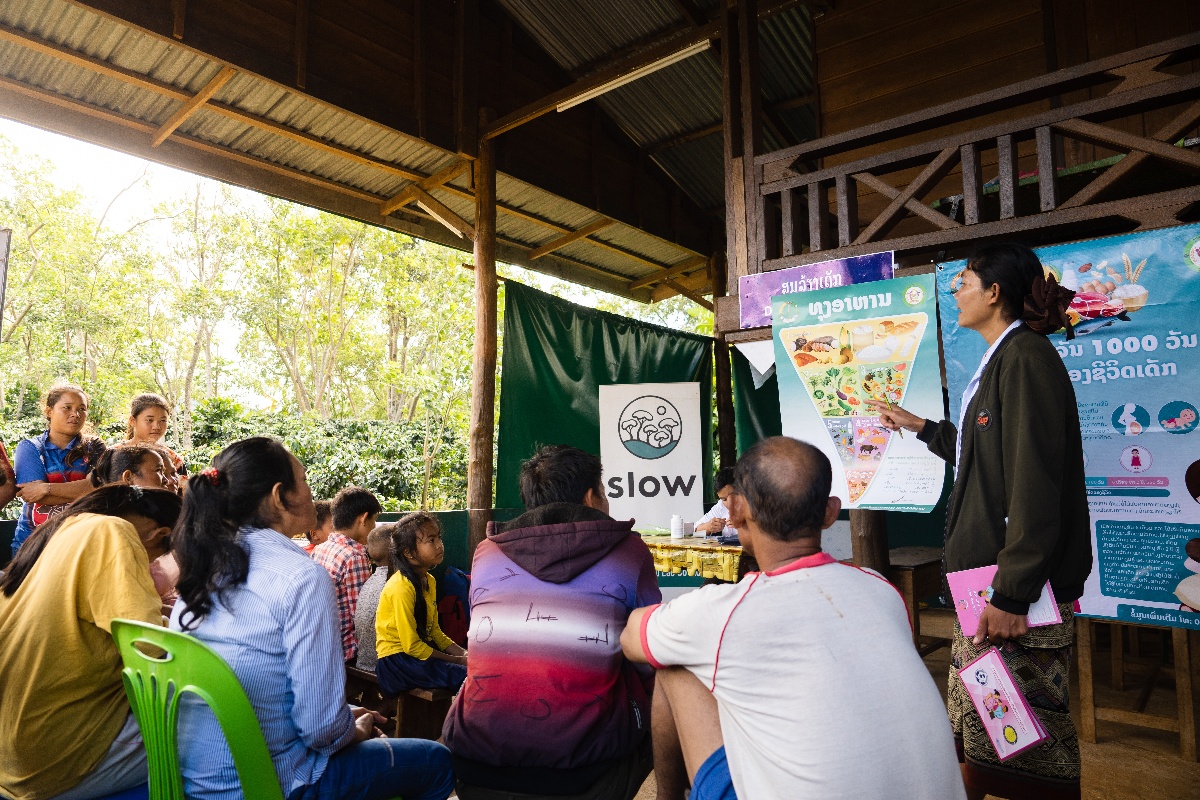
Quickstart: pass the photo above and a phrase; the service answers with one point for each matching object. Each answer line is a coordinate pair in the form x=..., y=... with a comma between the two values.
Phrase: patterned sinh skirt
x=1040, y=662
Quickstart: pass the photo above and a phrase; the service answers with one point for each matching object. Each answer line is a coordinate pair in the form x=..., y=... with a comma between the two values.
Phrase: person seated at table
x=320, y=534
x=813, y=688
x=550, y=706
x=379, y=542
x=68, y=729
x=344, y=556
x=269, y=610
x=716, y=521
x=414, y=653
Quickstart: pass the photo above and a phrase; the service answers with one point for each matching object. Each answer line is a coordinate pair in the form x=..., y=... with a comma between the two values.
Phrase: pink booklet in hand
x=1009, y=721
x=971, y=589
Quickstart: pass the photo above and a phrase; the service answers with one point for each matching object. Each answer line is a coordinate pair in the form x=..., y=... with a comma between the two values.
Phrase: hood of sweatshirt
x=558, y=541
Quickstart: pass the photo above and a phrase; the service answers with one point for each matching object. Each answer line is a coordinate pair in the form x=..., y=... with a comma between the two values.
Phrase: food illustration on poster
x=1135, y=367
x=848, y=347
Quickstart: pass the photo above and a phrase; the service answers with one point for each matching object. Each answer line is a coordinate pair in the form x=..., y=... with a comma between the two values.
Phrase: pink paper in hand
x=971, y=589
x=1007, y=717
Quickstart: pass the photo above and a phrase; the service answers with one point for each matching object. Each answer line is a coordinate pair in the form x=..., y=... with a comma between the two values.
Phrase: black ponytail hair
x=404, y=538
x=115, y=500
x=116, y=460
x=218, y=502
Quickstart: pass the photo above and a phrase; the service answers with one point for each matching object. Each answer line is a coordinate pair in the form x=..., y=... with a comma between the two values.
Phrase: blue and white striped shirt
x=279, y=633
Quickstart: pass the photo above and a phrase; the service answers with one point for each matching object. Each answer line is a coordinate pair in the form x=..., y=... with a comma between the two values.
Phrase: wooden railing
x=798, y=223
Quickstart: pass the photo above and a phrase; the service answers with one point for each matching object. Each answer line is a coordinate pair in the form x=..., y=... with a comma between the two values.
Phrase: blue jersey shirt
x=39, y=459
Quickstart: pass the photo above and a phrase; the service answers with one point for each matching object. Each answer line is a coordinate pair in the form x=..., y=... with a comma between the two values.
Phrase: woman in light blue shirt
x=256, y=598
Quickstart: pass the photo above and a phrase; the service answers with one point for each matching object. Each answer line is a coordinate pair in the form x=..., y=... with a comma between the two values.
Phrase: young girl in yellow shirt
x=413, y=651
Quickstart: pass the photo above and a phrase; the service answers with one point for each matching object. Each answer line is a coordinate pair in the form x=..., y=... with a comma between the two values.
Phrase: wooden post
x=735, y=195
x=752, y=135
x=483, y=367
x=1087, y=697
x=1184, y=699
x=726, y=424
x=868, y=540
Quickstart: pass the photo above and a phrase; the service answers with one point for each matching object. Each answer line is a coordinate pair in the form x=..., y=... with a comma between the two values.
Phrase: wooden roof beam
x=443, y=214
x=670, y=272
x=57, y=109
x=573, y=236
x=671, y=43
x=169, y=90
x=437, y=179
x=192, y=105
x=690, y=295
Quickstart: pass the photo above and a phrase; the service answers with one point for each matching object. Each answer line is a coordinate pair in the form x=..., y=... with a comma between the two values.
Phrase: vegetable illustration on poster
x=1135, y=367
x=838, y=348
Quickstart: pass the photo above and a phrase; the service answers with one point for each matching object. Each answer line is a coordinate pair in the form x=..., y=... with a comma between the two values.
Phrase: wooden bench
x=415, y=714
x=917, y=572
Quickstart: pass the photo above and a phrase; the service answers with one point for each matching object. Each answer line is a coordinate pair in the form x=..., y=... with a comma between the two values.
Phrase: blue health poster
x=1135, y=367
x=836, y=349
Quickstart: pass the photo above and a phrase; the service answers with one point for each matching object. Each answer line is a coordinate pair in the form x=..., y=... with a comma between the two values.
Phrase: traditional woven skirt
x=1040, y=662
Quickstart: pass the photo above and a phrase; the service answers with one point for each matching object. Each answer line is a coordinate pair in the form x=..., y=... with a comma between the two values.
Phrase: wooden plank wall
x=1089, y=29
x=878, y=59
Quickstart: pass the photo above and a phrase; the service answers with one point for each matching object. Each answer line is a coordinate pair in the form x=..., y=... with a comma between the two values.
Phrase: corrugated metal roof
x=684, y=97
x=546, y=216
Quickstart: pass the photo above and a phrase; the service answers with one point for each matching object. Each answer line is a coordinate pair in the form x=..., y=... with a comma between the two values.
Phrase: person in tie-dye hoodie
x=550, y=706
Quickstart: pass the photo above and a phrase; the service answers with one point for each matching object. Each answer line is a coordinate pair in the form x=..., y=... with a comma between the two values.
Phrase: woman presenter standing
x=1019, y=502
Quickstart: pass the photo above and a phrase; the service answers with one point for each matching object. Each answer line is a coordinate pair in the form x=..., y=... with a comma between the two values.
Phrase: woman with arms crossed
x=1019, y=501
x=52, y=468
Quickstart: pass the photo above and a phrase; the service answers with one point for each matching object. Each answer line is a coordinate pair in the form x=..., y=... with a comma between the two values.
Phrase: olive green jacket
x=1019, y=498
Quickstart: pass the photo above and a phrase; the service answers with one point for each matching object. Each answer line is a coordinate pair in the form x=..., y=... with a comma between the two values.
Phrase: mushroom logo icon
x=650, y=427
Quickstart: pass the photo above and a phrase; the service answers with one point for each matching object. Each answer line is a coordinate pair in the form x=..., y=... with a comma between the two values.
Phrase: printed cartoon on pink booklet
x=842, y=366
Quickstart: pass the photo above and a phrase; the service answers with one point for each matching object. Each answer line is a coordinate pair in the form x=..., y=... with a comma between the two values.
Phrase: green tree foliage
x=354, y=339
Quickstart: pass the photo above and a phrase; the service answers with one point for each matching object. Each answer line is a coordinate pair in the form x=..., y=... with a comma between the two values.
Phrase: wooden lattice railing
x=799, y=224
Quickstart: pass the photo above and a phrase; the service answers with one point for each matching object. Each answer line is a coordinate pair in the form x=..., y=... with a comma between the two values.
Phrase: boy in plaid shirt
x=344, y=556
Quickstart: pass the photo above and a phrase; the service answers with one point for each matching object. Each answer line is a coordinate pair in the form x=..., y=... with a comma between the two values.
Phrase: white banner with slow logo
x=650, y=444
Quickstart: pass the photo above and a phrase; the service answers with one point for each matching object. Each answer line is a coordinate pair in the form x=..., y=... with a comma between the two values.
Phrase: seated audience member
x=52, y=468
x=320, y=534
x=813, y=688
x=414, y=653
x=132, y=464
x=249, y=593
x=68, y=730
x=716, y=521
x=149, y=416
x=379, y=542
x=344, y=556
x=143, y=466
x=550, y=706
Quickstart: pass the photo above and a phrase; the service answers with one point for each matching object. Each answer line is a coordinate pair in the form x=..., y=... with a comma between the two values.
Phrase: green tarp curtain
x=556, y=357
x=755, y=411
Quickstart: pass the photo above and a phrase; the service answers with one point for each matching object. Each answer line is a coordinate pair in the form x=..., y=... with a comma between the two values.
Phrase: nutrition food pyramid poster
x=1135, y=366
x=835, y=349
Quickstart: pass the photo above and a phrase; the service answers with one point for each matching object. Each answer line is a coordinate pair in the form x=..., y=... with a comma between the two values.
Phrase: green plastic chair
x=154, y=686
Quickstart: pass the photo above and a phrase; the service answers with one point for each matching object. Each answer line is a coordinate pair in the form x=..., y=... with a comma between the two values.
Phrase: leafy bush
x=385, y=457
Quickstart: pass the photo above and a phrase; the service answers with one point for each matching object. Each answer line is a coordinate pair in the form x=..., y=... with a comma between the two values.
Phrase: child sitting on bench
x=413, y=651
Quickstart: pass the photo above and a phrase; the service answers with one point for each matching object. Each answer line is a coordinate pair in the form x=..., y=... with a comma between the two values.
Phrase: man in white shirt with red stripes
x=800, y=681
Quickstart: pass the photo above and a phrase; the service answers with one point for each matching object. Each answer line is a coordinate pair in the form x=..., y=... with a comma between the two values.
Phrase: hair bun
x=1046, y=307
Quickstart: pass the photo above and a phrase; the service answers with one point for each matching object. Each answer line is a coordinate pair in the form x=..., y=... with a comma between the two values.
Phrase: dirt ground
x=1125, y=763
